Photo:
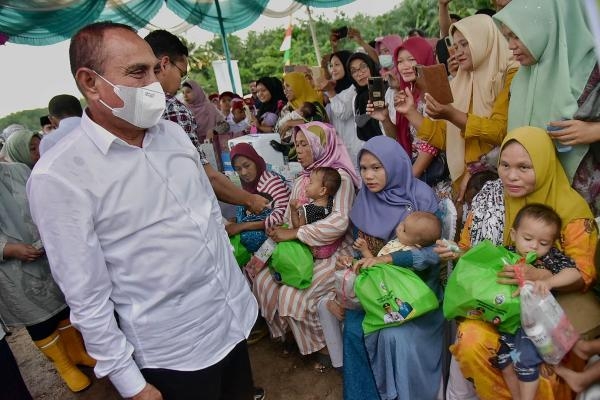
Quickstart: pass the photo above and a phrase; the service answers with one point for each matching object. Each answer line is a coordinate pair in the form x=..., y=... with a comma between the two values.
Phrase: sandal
x=322, y=362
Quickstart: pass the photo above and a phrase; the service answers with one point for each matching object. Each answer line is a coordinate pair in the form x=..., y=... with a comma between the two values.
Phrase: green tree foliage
x=30, y=119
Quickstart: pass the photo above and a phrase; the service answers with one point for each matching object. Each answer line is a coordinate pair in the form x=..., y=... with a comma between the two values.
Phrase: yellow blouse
x=481, y=133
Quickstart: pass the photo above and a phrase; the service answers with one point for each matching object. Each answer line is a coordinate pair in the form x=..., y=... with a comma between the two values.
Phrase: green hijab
x=17, y=146
x=557, y=35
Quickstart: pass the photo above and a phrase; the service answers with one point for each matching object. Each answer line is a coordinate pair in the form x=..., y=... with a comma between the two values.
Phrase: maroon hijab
x=246, y=150
x=422, y=51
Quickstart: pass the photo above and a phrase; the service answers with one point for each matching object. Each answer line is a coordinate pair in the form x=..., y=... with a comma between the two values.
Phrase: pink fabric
x=422, y=51
x=331, y=153
x=391, y=42
x=206, y=114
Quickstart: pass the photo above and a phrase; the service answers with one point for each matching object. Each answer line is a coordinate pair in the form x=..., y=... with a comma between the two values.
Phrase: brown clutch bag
x=432, y=79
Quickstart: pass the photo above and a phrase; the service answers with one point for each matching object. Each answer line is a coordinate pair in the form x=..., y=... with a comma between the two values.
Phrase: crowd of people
x=111, y=224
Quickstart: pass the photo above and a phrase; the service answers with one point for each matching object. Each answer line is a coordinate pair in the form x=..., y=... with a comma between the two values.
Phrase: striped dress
x=276, y=187
x=287, y=308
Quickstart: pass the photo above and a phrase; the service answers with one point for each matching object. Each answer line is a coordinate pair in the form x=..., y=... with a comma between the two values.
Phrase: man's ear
x=162, y=64
x=86, y=82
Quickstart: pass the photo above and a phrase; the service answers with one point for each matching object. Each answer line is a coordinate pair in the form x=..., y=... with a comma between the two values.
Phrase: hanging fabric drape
x=55, y=21
x=236, y=15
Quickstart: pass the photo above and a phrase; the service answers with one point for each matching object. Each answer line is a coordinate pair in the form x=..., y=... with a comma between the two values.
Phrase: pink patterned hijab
x=327, y=149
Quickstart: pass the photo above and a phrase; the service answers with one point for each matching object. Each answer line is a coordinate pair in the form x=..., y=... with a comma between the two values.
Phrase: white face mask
x=385, y=60
x=142, y=106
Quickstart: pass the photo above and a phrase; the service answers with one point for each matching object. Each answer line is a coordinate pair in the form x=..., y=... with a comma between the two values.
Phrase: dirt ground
x=283, y=377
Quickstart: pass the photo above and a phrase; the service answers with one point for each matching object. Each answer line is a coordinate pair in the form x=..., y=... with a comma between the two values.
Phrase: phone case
x=377, y=92
x=432, y=79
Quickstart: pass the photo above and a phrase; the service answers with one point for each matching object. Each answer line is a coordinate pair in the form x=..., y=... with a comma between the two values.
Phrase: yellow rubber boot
x=53, y=348
x=73, y=343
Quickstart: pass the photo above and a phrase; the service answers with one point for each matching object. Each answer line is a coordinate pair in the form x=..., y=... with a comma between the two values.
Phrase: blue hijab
x=378, y=214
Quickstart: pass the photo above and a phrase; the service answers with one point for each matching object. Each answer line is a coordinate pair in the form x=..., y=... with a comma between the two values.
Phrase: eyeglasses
x=182, y=74
x=361, y=68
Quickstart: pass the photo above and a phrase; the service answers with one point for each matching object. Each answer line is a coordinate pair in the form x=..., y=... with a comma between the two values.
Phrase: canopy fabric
x=44, y=22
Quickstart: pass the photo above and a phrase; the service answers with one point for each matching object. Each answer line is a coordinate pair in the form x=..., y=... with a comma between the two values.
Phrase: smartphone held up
x=376, y=87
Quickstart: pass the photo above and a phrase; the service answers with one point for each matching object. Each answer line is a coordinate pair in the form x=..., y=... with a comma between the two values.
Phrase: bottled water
x=546, y=324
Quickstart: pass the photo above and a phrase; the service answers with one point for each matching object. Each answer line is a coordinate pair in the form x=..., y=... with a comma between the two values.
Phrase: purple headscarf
x=378, y=214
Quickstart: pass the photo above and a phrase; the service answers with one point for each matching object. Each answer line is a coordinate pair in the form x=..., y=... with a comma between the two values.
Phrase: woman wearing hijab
x=475, y=123
x=529, y=173
x=361, y=68
x=255, y=178
x=23, y=146
x=269, y=91
x=416, y=51
x=298, y=91
x=341, y=92
x=557, y=75
x=206, y=115
x=385, y=363
x=29, y=296
x=385, y=48
x=289, y=309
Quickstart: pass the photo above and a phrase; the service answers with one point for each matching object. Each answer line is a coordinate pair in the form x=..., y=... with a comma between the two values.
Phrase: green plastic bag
x=392, y=295
x=292, y=264
x=242, y=256
x=472, y=291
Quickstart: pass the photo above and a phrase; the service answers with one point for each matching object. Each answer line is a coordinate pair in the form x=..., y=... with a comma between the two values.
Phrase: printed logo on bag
x=499, y=299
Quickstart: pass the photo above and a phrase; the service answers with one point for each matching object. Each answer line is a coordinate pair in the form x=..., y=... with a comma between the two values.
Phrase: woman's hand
x=574, y=132
x=452, y=65
x=404, y=101
x=280, y=234
x=22, y=251
x=343, y=262
x=336, y=309
x=149, y=392
x=444, y=250
x=256, y=203
x=368, y=262
x=380, y=114
x=437, y=110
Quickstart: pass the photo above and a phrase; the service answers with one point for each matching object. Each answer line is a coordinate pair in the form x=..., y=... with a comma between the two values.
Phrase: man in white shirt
x=65, y=114
x=131, y=224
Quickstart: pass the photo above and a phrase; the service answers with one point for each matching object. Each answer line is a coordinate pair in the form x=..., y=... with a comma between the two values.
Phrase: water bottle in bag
x=546, y=324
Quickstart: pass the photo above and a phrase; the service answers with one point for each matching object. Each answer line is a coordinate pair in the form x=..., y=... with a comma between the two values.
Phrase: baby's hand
x=366, y=262
x=360, y=244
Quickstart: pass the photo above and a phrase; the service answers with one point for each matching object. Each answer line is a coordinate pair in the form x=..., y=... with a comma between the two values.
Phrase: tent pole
x=225, y=46
x=313, y=34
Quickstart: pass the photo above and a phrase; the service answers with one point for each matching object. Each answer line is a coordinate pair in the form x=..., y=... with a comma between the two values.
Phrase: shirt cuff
x=402, y=258
x=2, y=245
x=128, y=380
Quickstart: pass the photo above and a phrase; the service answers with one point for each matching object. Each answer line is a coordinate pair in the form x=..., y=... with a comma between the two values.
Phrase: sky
x=32, y=75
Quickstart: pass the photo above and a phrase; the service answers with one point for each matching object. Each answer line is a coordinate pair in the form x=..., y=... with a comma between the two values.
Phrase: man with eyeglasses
x=171, y=71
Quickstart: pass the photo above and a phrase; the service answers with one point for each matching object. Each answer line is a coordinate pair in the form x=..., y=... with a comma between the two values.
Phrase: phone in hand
x=377, y=91
x=450, y=46
x=340, y=32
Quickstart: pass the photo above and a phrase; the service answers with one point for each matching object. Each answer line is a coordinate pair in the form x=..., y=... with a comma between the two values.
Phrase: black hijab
x=275, y=87
x=366, y=127
x=346, y=81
